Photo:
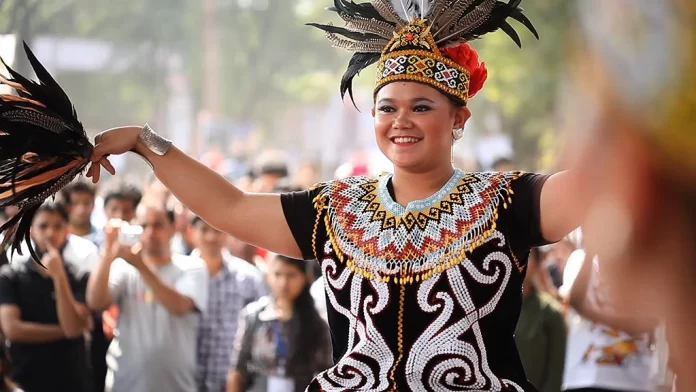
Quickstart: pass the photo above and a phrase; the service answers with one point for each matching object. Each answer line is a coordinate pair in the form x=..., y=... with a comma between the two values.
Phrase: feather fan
x=43, y=146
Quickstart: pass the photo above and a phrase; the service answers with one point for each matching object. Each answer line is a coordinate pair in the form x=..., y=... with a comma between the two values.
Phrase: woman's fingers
x=94, y=170
x=97, y=172
x=90, y=171
x=108, y=166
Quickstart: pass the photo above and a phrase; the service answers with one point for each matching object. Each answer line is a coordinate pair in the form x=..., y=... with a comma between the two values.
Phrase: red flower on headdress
x=467, y=57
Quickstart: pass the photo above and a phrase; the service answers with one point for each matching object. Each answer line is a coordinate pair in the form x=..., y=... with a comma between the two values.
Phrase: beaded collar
x=380, y=239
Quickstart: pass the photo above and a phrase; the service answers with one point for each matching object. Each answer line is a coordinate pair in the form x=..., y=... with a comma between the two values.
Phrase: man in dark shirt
x=42, y=311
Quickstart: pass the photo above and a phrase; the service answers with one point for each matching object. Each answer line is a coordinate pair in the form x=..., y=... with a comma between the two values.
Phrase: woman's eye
x=421, y=108
x=386, y=109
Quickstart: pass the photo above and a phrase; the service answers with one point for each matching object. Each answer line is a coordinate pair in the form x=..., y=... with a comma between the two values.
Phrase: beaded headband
x=413, y=56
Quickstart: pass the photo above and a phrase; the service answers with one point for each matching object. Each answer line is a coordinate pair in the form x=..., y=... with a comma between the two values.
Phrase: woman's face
x=414, y=123
x=285, y=279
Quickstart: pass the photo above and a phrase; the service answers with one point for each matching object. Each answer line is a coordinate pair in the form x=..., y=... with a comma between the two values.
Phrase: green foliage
x=272, y=58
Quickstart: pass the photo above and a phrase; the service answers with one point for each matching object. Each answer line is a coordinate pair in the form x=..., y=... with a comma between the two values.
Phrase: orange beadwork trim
x=399, y=336
x=319, y=205
x=520, y=268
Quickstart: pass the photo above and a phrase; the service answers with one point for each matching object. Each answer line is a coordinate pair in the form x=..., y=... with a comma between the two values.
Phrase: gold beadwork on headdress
x=412, y=55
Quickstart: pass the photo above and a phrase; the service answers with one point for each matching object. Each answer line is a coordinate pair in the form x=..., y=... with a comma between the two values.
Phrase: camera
x=130, y=234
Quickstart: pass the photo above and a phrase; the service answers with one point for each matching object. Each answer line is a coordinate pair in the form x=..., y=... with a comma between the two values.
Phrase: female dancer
x=423, y=267
x=638, y=160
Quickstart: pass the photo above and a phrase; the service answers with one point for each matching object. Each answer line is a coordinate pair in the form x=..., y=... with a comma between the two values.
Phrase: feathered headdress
x=43, y=146
x=421, y=40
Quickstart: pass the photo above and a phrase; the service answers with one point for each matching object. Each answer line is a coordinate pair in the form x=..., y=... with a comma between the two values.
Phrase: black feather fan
x=43, y=146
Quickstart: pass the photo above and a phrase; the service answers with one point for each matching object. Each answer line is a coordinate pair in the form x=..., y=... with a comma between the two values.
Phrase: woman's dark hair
x=311, y=325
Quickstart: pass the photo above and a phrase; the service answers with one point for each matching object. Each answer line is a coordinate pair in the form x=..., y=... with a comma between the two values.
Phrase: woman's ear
x=461, y=116
x=373, y=111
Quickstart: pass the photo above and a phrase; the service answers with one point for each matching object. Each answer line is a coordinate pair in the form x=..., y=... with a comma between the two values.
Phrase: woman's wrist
x=148, y=138
x=149, y=144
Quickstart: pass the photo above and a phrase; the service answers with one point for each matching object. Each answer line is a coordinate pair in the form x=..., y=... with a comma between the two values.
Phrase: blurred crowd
x=202, y=311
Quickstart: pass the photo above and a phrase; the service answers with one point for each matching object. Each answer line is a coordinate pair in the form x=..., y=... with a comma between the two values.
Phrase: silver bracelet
x=154, y=142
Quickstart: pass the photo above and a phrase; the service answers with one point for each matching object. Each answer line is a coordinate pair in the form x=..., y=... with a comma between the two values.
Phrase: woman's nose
x=401, y=121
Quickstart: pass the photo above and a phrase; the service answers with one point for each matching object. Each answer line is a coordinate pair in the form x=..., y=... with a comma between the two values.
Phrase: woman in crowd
x=282, y=342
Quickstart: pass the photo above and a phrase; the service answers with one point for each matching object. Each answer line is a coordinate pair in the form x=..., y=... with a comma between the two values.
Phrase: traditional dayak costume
x=421, y=297
x=426, y=296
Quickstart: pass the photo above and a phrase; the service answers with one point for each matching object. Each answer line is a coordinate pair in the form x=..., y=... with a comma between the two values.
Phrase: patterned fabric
x=425, y=297
x=235, y=286
x=414, y=56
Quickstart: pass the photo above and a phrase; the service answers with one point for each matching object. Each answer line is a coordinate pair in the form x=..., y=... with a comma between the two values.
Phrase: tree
x=269, y=55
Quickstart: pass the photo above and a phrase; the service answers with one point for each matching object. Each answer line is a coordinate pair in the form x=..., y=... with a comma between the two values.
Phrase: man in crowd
x=160, y=297
x=120, y=202
x=234, y=283
x=42, y=311
x=79, y=197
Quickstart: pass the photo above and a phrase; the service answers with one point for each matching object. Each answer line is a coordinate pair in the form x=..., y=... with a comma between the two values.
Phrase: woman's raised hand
x=113, y=141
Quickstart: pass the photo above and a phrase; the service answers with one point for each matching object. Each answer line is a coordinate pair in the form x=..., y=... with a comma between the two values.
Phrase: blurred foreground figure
x=635, y=100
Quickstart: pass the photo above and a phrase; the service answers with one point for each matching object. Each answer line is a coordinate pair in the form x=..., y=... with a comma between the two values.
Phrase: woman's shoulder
x=512, y=176
x=254, y=308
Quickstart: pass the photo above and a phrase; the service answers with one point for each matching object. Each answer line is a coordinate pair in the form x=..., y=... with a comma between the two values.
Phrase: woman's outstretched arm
x=257, y=219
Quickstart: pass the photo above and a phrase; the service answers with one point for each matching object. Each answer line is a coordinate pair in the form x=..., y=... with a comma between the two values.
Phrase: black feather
x=497, y=20
x=43, y=146
x=364, y=10
x=354, y=35
x=519, y=16
x=357, y=63
x=510, y=31
x=55, y=97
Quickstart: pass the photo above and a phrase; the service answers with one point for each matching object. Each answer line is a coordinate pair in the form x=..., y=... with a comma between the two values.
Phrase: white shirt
x=598, y=356
x=78, y=251
x=317, y=292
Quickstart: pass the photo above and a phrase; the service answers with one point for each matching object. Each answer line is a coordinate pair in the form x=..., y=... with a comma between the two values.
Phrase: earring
x=457, y=133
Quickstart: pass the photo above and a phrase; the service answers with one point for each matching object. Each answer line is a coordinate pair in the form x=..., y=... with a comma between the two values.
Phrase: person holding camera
x=160, y=296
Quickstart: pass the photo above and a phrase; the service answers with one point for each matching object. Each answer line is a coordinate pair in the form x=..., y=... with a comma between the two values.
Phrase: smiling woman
x=413, y=126
x=423, y=267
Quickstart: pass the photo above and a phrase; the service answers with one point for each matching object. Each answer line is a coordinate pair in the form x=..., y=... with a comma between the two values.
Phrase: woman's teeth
x=403, y=140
